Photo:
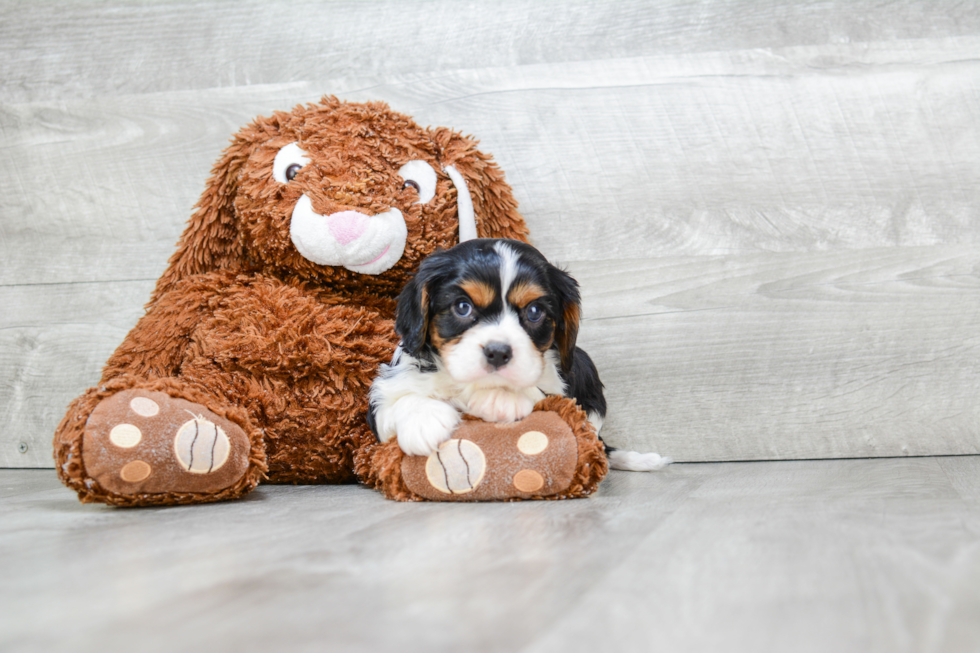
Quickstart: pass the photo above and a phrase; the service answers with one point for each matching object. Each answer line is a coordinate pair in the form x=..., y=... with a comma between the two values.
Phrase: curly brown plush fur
x=243, y=325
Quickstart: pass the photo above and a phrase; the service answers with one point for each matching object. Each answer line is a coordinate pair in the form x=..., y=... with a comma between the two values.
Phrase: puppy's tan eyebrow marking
x=523, y=293
x=481, y=293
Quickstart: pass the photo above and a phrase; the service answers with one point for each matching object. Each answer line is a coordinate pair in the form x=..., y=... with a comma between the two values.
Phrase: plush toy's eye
x=462, y=308
x=289, y=161
x=534, y=313
x=420, y=176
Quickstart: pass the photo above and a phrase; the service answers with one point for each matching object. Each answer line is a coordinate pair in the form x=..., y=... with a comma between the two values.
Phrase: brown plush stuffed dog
x=262, y=337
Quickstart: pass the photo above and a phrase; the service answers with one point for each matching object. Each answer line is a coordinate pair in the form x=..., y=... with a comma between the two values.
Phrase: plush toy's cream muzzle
x=357, y=241
x=361, y=243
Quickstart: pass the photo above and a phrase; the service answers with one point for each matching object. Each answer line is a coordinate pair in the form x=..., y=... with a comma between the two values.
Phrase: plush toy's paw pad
x=457, y=467
x=531, y=458
x=140, y=441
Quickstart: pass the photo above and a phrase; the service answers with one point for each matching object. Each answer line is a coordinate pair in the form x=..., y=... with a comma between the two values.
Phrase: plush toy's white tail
x=633, y=461
x=464, y=206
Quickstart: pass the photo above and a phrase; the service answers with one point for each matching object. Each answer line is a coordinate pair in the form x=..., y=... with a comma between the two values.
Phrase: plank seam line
x=689, y=310
x=75, y=283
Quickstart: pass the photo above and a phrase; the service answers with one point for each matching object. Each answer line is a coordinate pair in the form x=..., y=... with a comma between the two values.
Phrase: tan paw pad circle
x=135, y=471
x=144, y=406
x=125, y=435
x=457, y=467
x=532, y=443
x=201, y=446
x=528, y=480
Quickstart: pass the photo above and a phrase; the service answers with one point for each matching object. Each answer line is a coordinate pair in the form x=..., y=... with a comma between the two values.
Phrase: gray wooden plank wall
x=773, y=208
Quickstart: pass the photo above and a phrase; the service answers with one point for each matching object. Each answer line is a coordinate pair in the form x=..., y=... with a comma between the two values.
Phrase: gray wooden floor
x=847, y=555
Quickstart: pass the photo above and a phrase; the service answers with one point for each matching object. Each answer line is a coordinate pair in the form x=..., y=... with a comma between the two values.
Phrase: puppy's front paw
x=499, y=405
x=422, y=424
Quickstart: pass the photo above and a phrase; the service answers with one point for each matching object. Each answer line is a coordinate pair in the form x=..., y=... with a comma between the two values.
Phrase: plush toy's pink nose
x=347, y=226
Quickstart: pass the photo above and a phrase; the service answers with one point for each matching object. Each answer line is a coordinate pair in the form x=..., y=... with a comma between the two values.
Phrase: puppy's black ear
x=412, y=318
x=565, y=291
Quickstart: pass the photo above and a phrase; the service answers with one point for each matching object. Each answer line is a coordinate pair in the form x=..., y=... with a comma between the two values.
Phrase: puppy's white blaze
x=467, y=364
x=508, y=267
x=373, y=251
x=633, y=461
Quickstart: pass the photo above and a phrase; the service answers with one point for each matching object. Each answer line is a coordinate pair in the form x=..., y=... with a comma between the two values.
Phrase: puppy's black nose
x=498, y=354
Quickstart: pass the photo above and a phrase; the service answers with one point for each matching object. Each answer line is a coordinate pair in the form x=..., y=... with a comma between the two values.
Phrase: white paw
x=633, y=461
x=421, y=423
x=499, y=405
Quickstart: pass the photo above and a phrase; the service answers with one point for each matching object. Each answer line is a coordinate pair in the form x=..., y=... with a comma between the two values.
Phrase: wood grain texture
x=798, y=150
x=54, y=340
x=839, y=556
x=79, y=50
x=676, y=155
x=802, y=556
x=780, y=356
x=721, y=153
x=100, y=190
x=768, y=356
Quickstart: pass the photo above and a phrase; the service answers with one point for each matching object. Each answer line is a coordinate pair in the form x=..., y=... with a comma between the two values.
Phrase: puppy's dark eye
x=534, y=313
x=292, y=171
x=462, y=309
x=411, y=183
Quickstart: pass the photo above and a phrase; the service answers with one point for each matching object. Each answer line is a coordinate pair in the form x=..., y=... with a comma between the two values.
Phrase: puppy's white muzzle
x=467, y=361
x=359, y=242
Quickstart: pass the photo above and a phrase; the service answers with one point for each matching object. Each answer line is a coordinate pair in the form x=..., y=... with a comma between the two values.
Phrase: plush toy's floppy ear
x=565, y=289
x=494, y=206
x=210, y=241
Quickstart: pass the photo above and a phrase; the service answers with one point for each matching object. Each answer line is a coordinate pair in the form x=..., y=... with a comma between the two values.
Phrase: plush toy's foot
x=138, y=442
x=553, y=453
x=142, y=446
